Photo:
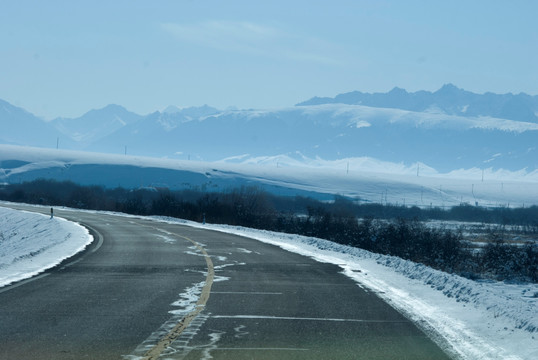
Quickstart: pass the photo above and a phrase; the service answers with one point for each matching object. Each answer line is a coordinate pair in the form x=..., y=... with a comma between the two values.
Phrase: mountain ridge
x=331, y=130
x=96, y=123
x=20, y=127
x=449, y=99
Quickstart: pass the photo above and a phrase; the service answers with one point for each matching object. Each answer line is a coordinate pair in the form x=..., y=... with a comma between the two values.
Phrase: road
x=152, y=290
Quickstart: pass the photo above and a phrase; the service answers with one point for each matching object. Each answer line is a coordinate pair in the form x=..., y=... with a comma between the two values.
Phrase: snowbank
x=31, y=243
x=469, y=319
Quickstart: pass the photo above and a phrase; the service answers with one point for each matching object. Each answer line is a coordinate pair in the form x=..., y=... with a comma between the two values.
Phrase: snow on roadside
x=31, y=243
x=469, y=319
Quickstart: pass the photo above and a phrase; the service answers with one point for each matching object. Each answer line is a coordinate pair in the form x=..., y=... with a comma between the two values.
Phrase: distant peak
x=109, y=108
x=449, y=88
x=204, y=107
x=171, y=109
x=114, y=107
x=192, y=111
x=398, y=90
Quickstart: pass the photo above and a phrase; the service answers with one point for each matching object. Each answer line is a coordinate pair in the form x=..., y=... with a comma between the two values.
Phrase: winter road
x=149, y=290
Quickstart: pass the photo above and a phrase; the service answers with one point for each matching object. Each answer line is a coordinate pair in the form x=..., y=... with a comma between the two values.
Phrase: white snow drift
x=31, y=243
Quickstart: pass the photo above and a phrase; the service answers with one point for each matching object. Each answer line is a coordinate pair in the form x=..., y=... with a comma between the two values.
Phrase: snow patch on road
x=166, y=239
x=188, y=300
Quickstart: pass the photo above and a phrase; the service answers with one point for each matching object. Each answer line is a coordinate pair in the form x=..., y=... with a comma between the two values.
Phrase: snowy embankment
x=31, y=243
x=469, y=319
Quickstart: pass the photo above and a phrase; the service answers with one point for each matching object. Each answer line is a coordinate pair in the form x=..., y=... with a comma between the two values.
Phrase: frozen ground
x=470, y=319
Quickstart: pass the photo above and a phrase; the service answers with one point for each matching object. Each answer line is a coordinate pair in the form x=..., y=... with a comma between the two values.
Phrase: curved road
x=153, y=290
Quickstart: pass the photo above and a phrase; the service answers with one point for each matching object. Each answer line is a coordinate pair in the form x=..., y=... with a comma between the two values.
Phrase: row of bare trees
x=391, y=230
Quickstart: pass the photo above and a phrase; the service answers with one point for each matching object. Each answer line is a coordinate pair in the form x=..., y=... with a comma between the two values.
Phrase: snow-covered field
x=31, y=243
x=367, y=179
x=470, y=319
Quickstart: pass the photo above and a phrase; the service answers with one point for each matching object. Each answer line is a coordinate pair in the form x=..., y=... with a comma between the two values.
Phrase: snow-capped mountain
x=191, y=113
x=446, y=130
x=168, y=133
x=448, y=99
x=95, y=124
x=19, y=127
x=335, y=131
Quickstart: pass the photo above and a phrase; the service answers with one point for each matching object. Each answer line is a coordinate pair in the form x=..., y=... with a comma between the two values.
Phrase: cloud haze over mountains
x=447, y=129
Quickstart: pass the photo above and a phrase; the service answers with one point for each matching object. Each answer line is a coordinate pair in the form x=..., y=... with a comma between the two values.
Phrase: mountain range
x=447, y=129
x=449, y=99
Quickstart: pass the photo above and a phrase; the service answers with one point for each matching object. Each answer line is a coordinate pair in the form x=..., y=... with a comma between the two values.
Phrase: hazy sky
x=63, y=58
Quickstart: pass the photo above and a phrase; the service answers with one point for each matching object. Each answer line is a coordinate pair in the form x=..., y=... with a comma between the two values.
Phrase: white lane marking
x=11, y=287
x=72, y=263
x=99, y=236
x=247, y=292
x=265, y=317
x=260, y=349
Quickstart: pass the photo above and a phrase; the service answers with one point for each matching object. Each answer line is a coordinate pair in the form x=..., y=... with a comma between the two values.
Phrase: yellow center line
x=169, y=338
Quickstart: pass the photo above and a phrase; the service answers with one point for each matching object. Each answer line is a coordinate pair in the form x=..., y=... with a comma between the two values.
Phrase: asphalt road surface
x=150, y=290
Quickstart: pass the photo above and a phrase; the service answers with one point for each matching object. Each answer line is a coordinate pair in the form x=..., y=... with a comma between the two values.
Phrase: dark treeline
x=384, y=229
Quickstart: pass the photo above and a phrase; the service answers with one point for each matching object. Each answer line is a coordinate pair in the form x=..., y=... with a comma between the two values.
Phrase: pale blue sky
x=63, y=58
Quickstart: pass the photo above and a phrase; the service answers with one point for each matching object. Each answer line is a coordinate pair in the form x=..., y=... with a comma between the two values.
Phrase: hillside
x=95, y=124
x=363, y=179
x=335, y=131
x=19, y=127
